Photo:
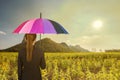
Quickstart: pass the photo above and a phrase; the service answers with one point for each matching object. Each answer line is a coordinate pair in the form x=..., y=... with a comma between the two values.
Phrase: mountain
x=78, y=49
x=49, y=45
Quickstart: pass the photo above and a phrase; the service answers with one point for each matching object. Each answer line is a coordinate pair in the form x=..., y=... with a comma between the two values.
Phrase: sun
x=97, y=24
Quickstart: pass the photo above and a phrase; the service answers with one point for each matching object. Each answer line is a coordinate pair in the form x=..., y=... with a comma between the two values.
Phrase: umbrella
x=40, y=26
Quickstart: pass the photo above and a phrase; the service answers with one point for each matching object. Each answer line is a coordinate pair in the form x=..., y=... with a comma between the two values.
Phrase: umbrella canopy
x=40, y=26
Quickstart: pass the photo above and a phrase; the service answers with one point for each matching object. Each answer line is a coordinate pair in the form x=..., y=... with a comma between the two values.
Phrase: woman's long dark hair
x=29, y=46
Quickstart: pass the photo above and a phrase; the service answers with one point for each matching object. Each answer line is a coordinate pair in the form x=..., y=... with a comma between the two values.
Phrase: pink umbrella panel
x=40, y=26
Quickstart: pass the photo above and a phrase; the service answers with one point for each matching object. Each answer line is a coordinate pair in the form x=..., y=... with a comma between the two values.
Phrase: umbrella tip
x=40, y=15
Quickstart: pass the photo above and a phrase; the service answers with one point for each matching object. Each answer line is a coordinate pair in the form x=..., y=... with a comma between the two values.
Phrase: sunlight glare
x=97, y=24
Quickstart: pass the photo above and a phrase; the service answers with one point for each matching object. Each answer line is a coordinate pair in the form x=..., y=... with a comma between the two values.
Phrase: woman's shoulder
x=38, y=49
x=22, y=50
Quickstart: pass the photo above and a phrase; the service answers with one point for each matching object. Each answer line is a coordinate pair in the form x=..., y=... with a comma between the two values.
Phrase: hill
x=49, y=45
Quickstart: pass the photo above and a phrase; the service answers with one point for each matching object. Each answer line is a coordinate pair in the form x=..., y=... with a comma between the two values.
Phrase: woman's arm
x=20, y=64
x=42, y=62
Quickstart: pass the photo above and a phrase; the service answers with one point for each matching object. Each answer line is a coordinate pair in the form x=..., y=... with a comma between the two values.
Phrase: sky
x=77, y=16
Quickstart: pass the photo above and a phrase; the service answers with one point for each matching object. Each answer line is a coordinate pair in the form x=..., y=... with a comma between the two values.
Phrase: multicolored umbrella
x=40, y=26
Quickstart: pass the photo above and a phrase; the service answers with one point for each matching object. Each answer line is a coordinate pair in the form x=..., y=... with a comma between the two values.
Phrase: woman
x=30, y=59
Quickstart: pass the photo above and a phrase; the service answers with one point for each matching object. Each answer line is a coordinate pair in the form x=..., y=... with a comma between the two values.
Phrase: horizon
x=91, y=24
x=91, y=50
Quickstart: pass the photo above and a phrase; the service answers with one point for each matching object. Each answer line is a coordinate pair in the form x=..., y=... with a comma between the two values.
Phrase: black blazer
x=30, y=70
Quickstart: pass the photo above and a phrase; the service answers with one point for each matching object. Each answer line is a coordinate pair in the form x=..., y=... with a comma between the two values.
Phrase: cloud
x=98, y=41
x=2, y=32
x=89, y=40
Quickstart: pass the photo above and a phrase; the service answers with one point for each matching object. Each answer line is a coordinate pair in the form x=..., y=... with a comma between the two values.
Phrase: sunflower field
x=68, y=66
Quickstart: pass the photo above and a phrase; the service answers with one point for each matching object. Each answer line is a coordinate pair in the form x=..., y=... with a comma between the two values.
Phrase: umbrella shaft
x=40, y=41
